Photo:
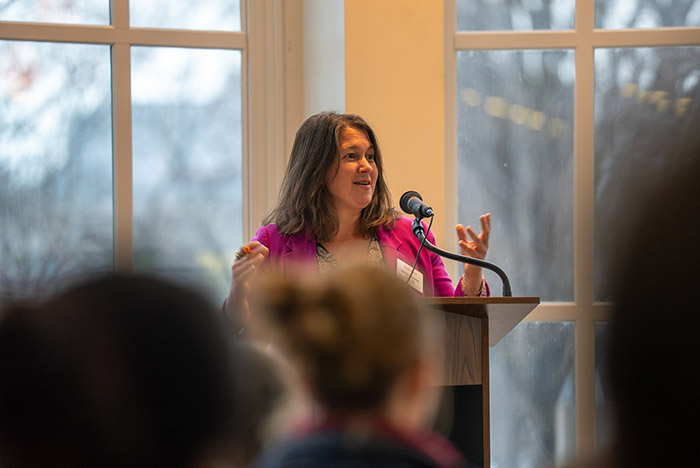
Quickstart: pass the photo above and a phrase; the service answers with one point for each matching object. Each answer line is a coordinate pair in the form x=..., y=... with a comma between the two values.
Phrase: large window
x=645, y=97
x=187, y=185
x=558, y=107
x=122, y=140
x=518, y=109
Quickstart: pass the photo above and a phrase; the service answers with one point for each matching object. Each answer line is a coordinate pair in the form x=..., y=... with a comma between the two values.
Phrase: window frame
x=261, y=43
x=584, y=39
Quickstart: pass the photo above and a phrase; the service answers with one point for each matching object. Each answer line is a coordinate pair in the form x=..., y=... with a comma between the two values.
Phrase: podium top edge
x=482, y=300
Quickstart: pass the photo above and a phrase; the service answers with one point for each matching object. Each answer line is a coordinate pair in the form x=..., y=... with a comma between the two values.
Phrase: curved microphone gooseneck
x=412, y=203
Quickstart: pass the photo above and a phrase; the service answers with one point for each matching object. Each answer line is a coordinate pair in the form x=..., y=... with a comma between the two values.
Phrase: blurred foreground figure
x=367, y=355
x=653, y=360
x=121, y=371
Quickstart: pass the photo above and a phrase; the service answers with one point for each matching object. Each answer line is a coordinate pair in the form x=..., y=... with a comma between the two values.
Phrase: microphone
x=412, y=203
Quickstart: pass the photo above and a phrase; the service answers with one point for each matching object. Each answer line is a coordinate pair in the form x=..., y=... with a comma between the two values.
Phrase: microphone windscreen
x=403, y=201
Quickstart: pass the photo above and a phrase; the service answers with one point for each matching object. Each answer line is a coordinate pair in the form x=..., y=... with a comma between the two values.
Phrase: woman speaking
x=335, y=209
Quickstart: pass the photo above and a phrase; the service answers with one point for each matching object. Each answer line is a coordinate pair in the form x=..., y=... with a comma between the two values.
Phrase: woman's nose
x=365, y=165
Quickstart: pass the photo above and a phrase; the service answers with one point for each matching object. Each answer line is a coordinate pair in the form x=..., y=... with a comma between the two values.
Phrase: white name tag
x=403, y=270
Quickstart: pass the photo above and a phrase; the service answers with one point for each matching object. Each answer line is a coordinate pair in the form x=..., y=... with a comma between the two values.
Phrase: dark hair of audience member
x=351, y=335
x=653, y=353
x=117, y=371
x=268, y=390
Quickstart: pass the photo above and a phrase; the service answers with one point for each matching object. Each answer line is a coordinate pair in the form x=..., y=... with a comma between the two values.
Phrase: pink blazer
x=288, y=253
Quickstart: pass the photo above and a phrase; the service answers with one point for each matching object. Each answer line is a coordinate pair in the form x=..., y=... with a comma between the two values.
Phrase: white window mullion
x=245, y=122
x=584, y=365
x=584, y=201
x=451, y=188
x=122, y=157
x=264, y=141
x=652, y=37
x=119, y=13
x=122, y=142
x=49, y=32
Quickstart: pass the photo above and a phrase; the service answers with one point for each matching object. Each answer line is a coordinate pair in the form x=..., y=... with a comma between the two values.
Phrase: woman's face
x=351, y=183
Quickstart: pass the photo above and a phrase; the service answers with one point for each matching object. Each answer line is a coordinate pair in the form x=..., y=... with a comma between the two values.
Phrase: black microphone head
x=403, y=201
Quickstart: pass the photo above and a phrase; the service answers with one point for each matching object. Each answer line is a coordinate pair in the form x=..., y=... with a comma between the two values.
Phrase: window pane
x=620, y=14
x=222, y=15
x=55, y=164
x=603, y=424
x=187, y=163
x=56, y=11
x=517, y=15
x=515, y=160
x=533, y=396
x=645, y=98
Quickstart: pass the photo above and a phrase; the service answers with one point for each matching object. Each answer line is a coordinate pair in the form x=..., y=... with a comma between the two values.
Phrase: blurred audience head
x=270, y=392
x=653, y=360
x=358, y=338
x=120, y=371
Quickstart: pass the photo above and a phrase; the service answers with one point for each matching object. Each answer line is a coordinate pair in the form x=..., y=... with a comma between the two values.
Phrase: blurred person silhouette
x=269, y=388
x=334, y=209
x=126, y=370
x=368, y=357
x=652, y=367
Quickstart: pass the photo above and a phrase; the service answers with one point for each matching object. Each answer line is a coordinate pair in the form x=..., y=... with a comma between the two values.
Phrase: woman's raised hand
x=477, y=247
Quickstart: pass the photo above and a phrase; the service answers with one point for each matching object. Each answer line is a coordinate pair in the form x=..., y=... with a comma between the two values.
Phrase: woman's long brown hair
x=304, y=204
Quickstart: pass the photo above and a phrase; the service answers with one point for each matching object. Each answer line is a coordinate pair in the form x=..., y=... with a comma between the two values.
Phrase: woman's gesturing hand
x=477, y=247
x=243, y=271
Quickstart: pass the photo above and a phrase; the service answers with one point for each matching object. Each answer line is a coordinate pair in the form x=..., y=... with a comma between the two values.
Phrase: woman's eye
x=350, y=155
x=370, y=157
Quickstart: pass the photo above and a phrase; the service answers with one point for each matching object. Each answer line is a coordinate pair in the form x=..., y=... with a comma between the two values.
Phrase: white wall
x=323, y=35
x=394, y=77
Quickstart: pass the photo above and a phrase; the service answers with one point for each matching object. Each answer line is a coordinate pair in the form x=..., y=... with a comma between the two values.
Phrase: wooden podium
x=472, y=326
